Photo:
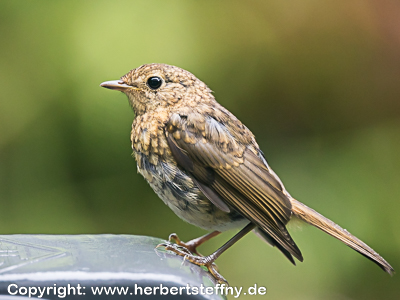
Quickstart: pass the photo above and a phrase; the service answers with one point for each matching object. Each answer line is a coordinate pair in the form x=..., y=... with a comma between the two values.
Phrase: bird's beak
x=116, y=85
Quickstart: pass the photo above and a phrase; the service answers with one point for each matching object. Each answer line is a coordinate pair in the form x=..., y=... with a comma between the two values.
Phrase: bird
x=207, y=167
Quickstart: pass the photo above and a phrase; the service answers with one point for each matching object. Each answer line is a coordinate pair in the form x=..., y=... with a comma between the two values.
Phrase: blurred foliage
x=317, y=82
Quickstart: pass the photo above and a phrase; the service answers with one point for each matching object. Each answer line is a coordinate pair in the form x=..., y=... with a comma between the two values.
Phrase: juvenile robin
x=208, y=168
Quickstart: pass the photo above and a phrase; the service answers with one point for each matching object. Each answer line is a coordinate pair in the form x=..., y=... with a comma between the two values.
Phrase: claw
x=173, y=238
x=161, y=245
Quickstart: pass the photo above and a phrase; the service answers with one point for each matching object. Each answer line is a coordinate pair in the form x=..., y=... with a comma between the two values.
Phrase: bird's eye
x=154, y=82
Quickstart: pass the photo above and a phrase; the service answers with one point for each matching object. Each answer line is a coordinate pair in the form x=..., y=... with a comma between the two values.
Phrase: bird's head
x=153, y=85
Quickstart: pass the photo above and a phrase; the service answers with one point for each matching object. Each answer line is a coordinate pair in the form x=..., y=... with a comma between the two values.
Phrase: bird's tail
x=311, y=217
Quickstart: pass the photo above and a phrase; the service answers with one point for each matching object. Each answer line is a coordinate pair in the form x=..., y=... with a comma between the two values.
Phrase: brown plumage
x=207, y=166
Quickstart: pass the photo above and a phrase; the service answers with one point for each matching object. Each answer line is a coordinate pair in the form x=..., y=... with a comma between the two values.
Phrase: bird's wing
x=231, y=171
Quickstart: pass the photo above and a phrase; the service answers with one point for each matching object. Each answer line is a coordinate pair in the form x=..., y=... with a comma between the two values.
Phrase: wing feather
x=230, y=170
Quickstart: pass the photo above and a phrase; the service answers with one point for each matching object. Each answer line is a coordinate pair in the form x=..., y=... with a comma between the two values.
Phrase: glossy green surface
x=104, y=261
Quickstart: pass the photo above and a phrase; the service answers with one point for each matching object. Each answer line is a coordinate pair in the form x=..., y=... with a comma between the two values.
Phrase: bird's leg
x=208, y=261
x=192, y=244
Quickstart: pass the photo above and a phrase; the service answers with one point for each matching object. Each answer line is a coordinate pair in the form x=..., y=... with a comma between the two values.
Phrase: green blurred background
x=318, y=82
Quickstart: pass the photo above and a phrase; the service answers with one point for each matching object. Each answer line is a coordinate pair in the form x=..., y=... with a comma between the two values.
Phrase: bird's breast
x=148, y=136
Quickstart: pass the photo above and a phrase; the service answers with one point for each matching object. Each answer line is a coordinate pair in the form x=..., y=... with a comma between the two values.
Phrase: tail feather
x=311, y=217
x=267, y=238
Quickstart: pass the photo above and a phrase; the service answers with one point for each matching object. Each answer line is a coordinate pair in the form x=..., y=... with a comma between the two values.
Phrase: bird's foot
x=203, y=261
x=208, y=262
x=190, y=246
